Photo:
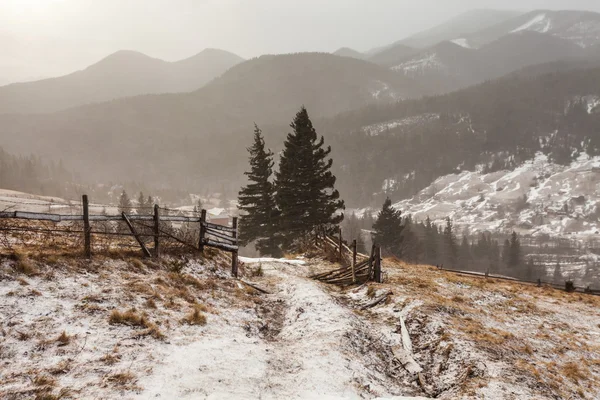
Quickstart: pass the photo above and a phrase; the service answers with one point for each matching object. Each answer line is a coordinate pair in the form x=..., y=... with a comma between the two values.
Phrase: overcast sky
x=53, y=37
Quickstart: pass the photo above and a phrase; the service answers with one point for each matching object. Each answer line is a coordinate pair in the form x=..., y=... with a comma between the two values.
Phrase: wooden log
x=406, y=360
x=156, y=231
x=87, y=236
x=406, y=342
x=234, y=254
x=221, y=246
x=137, y=237
x=219, y=227
x=202, y=231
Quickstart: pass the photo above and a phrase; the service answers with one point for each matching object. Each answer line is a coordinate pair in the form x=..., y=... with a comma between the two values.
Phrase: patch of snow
x=539, y=23
x=428, y=62
x=462, y=42
x=377, y=129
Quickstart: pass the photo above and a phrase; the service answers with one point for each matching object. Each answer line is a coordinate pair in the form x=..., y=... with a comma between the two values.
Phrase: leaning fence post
x=87, y=232
x=353, y=261
x=378, y=264
x=202, y=230
x=340, y=242
x=156, y=232
x=234, y=254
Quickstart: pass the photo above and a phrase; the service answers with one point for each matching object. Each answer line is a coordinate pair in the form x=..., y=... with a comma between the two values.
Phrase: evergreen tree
x=411, y=247
x=387, y=229
x=305, y=191
x=451, y=251
x=431, y=242
x=257, y=200
x=558, y=276
x=514, y=255
x=150, y=203
x=124, y=203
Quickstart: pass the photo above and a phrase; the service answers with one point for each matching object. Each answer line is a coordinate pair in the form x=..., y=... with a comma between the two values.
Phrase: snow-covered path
x=305, y=359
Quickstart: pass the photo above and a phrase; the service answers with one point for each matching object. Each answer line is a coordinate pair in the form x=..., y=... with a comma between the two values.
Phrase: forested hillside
x=403, y=147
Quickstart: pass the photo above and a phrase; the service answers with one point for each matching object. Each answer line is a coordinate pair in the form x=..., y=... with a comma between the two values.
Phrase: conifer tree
x=257, y=200
x=451, y=250
x=124, y=202
x=514, y=255
x=388, y=229
x=305, y=187
x=431, y=242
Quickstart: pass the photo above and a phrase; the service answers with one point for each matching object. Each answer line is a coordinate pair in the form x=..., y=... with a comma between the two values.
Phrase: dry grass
x=129, y=317
x=23, y=264
x=110, y=359
x=371, y=292
x=44, y=380
x=575, y=371
x=63, y=339
x=196, y=317
x=121, y=379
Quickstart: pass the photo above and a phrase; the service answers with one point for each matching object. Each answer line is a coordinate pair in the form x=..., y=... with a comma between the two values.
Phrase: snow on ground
x=297, y=342
x=187, y=330
x=488, y=339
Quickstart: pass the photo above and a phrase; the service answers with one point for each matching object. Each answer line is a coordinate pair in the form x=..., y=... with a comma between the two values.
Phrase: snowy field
x=187, y=330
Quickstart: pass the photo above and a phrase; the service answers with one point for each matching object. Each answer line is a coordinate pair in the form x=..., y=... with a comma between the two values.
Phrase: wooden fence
x=568, y=286
x=357, y=268
x=212, y=235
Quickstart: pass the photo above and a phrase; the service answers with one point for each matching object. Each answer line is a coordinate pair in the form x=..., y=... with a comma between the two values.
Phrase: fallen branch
x=376, y=301
x=254, y=287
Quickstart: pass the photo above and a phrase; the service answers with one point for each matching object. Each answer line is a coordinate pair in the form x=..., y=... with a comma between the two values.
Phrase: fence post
x=87, y=240
x=156, y=232
x=340, y=242
x=234, y=254
x=353, y=261
x=202, y=231
x=377, y=264
x=317, y=236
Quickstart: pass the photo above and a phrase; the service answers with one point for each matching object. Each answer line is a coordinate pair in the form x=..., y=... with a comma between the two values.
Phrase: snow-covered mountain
x=579, y=27
x=538, y=198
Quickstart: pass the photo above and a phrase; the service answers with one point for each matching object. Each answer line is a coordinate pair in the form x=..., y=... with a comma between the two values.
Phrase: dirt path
x=306, y=345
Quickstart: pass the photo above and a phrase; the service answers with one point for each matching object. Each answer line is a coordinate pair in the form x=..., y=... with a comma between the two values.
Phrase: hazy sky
x=53, y=37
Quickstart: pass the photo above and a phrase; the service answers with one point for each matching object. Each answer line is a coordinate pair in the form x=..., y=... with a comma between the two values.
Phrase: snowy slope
x=562, y=201
x=579, y=27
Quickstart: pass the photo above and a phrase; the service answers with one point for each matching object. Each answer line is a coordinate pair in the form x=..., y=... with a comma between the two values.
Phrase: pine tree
x=431, y=242
x=150, y=203
x=506, y=252
x=124, y=203
x=514, y=255
x=451, y=251
x=257, y=200
x=387, y=229
x=305, y=191
x=558, y=276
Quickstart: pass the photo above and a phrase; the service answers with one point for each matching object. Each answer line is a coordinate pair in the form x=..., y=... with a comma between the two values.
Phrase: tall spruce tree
x=387, y=229
x=305, y=192
x=257, y=200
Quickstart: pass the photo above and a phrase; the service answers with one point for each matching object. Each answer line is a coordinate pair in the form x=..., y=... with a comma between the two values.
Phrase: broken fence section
x=354, y=272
